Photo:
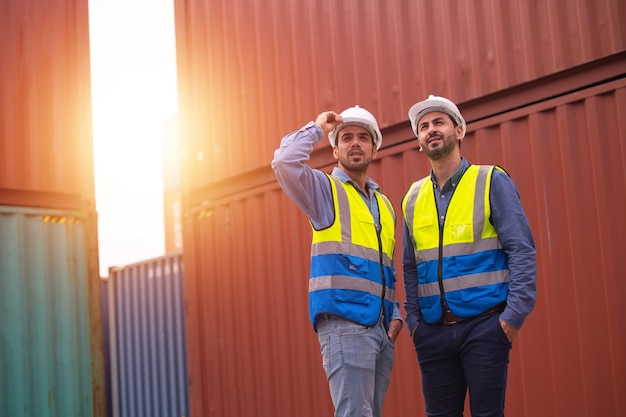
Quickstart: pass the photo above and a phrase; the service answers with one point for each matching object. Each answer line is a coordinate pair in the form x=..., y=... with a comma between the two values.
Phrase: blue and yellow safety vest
x=351, y=263
x=460, y=263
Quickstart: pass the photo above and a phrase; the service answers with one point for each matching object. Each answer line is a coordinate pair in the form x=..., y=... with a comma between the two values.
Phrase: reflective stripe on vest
x=345, y=268
x=474, y=265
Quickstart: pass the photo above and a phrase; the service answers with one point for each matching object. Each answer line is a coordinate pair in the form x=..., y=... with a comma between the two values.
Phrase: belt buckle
x=449, y=319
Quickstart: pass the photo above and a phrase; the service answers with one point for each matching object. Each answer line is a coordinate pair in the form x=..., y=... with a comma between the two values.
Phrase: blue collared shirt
x=511, y=224
x=310, y=188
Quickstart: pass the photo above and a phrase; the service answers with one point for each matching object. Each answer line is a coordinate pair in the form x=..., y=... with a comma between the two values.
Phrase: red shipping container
x=250, y=71
x=46, y=151
x=252, y=351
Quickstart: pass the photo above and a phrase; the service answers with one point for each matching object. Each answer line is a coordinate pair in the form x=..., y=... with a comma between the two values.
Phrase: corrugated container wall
x=542, y=86
x=104, y=297
x=50, y=324
x=147, y=339
x=51, y=348
x=46, y=152
x=250, y=71
x=252, y=351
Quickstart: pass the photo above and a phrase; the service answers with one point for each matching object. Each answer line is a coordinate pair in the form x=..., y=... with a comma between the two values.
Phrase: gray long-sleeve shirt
x=310, y=188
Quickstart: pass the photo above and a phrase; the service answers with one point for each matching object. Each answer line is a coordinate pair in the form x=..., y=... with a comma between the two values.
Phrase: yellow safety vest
x=348, y=259
x=465, y=257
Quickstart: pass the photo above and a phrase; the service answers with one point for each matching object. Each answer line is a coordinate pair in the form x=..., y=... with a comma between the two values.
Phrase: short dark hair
x=455, y=123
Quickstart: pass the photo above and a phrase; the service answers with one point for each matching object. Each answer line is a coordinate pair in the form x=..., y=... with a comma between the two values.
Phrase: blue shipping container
x=147, y=347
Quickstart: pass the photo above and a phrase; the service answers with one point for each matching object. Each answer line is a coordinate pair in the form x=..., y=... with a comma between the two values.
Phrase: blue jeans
x=473, y=355
x=358, y=361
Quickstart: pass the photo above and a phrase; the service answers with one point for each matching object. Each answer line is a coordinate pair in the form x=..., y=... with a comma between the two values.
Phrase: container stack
x=51, y=348
x=542, y=91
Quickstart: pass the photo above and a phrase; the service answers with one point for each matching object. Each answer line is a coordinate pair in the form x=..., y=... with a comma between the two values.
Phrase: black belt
x=328, y=316
x=449, y=318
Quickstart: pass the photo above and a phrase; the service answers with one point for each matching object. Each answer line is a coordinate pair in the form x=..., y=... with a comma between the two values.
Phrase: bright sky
x=133, y=75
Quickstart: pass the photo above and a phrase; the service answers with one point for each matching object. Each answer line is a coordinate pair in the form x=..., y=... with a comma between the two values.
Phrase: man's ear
x=335, y=152
x=459, y=132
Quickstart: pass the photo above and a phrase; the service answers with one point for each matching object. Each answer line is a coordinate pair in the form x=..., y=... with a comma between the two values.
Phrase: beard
x=441, y=150
x=355, y=162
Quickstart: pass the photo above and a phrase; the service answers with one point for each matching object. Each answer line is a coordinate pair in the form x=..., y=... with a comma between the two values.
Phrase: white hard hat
x=359, y=117
x=435, y=103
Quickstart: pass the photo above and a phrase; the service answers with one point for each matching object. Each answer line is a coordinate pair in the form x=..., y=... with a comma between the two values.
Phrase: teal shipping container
x=51, y=356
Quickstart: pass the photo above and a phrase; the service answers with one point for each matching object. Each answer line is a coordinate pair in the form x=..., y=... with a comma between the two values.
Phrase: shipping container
x=251, y=348
x=104, y=297
x=539, y=83
x=147, y=345
x=249, y=71
x=51, y=347
x=46, y=152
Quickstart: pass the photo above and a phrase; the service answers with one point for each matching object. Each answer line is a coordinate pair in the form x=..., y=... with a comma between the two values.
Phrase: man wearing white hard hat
x=352, y=303
x=469, y=268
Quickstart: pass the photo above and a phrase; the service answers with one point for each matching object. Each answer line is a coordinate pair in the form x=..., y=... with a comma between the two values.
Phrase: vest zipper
x=384, y=279
x=444, y=303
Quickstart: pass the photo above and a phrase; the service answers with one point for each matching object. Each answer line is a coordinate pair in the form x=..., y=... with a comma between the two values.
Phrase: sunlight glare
x=133, y=71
